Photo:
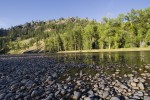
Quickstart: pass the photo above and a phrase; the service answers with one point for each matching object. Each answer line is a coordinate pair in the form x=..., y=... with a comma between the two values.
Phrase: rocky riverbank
x=42, y=78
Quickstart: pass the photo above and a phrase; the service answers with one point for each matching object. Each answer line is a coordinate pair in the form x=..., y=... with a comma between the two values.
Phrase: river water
x=125, y=62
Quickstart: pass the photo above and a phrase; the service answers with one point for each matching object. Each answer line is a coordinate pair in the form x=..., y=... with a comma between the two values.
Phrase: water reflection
x=129, y=58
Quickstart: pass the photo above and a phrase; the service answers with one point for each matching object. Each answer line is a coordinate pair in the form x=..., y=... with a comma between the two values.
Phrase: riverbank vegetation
x=131, y=30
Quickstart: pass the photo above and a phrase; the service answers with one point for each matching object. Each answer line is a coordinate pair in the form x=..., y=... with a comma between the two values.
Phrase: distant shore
x=106, y=50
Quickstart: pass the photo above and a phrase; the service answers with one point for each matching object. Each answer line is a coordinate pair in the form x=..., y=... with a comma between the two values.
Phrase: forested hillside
x=126, y=31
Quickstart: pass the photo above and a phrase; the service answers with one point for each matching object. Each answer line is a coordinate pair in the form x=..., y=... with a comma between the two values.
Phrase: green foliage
x=125, y=31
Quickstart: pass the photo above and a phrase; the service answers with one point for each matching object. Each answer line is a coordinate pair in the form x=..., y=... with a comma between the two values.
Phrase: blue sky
x=15, y=12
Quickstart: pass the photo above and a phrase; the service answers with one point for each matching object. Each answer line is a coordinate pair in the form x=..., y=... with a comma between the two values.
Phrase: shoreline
x=106, y=50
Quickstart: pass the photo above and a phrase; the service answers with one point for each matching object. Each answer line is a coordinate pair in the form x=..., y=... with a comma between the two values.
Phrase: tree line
x=126, y=31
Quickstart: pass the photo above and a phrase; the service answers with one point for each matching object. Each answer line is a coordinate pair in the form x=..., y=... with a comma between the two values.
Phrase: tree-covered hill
x=126, y=31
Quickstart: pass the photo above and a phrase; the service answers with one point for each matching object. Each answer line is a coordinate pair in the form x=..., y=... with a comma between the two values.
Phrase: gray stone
x=141, y=86
x=105, y=94
x=2, y=96
x=81, y=74
x=54, y=75
x=7, y=96
x=114, y=98
x=123, y=86
x=96, y=86
x=14, y=87
x=69, y=78
x=135, y=80
x=146, y=97
x=49, y=97
x=136, y=97
x=139, y=93
x=27, y=97
x=34, y=93
x=29, y=84
x=63, y=91
x=90, y=92
x=19, y=96
x=133, y=84
x=76, y=95
x=79, y=82
x=142, y=80
x=57, y=93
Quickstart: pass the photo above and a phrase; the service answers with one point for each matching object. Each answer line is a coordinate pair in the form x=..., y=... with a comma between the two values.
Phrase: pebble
x=114, y=98
x=133, y=84
x=34, y=93
x=2, y=96
x=26, y=80
x=141, y=86
x=146, y=97
x=76, y=95
x=105, y=94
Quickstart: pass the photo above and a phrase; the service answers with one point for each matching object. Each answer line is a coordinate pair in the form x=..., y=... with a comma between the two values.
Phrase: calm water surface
x=126, y=62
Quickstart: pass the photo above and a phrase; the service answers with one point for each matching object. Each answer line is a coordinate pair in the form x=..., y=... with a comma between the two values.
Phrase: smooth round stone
x=142, y=80
x=96, y=86
x=79, y=82
x=135, y=88
x=125, y=75
x=2, y=96
x=130, y=75
x=123, y=86
x=63, y=91
x=76, y=95
x=57, y=93
x=69, y=78
x=34, y=93
x=27, y=97
x=136, y=97
x=135, y=80
x=105, y=94
x=54, y=75
x=133, y=84
x=139, y=93
x=90, y=92
x=141, y=86
x=146, y=97
x=114, y=98
x=7, y=96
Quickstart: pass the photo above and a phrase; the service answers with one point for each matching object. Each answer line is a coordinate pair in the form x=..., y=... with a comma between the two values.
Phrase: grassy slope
x=34, y=47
